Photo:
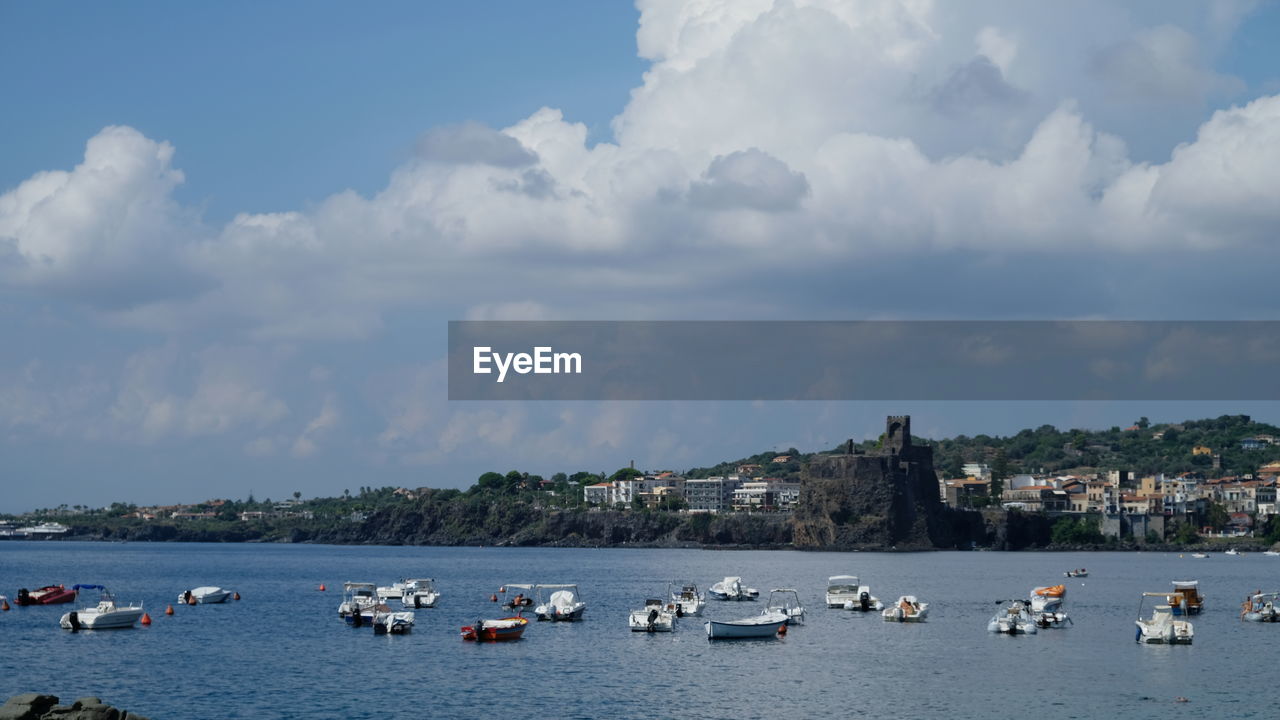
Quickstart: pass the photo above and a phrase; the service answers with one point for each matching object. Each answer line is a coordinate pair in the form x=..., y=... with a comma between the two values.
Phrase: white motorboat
x=394, y=591
x=357, y=597
x=1271, y=553
x=759, y=626
x=731, y=588
x=845, y=591
x=787, y=602
x=204, y=595
x=1199, y=556
x=1013, y=619
x=1261, y=607
x=1161, y=628
x=419, y=593
x=387, y=622
x=1077, y=573
x=655, y=616
x=906, y=609
x=688, y=600
x=106, y=615
x=1232, y=551
x=562, y=605
x=1046, y=606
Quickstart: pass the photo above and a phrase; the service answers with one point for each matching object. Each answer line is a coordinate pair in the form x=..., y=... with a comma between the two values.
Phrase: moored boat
x=500, y=630
x=785, y=601
x=906, y=609
x=1013, y=619
x=1078, y=572
x=655, y=616
x=563, y=605
x=1046, y=606
x=1186, y=598
x=47, y=595
x=731, y=588
x=1260, y=607
x=688, y=600
x=394, y=591
x=1161, y=628
x=759, y=626
x=388, y=622
x=204, y=595
x=357, y=597
x=419, y=593
x=106, y=615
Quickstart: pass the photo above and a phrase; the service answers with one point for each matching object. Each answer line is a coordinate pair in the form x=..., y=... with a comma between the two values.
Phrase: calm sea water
x=282, y=652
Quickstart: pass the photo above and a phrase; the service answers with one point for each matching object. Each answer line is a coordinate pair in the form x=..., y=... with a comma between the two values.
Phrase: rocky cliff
x=34, y=706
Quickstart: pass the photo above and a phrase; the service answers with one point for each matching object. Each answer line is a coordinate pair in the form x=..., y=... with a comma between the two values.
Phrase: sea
x=281, y=651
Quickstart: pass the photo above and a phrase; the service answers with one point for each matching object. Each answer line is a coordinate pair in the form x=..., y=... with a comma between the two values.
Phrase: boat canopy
x=1050, y=591
x=521, y=586
x=359, y=586
x=88, y=587
x=1185, y=584
x=842, y=581
x=563, y=586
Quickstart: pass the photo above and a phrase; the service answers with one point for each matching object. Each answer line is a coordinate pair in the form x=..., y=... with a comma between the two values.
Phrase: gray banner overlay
x=865, y=360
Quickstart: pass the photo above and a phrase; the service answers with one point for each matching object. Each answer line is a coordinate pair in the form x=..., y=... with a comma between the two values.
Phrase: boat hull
x=640, y=621
x=501, y=630
x=47, y=595
x=94, y=620
x=420, y=600
x=740, y=629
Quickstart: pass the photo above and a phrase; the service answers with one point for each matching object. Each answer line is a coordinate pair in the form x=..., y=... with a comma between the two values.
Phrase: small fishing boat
x=47, y=595
x=523, y=597
x=1013, y=619
x=204, y=595
x=106, y=615
x=842, y=589
x=1260, y=607
x=758, y=626
x=1161, y=628
x=1046, y=606
x=731, y=588
x=563, y=605
x=1199, y=556
x=419, y=593
x=357, y=597
x=1232, y=551
x=1271, y=553
x=787, y=602
x=1079, y=572
x=1186, y=598
x=907, y=609
x=655, y=616
x=387, y=622
x=394, y=591
x=500, y=630
x=688, y=600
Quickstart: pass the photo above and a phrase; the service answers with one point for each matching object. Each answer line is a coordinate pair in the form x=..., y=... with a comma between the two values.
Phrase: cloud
x=1163, y=64
x=473, y=143
x=328, y=417
x=749, y=179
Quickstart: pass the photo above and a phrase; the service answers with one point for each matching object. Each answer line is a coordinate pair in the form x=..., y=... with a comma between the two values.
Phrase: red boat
x=509, y=628
x=47, y=595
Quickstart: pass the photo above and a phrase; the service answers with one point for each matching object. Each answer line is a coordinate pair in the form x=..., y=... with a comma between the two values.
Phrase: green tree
x=1217, y=517
x=1001, y=470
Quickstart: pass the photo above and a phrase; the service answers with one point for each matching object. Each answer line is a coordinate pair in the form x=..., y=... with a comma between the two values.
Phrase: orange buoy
x=321, y=588
x=4, y=605
x=146, y=619
x=782, y=630
x=502, y=589
x=168, y=609
x=493, y=598
x=235, y=596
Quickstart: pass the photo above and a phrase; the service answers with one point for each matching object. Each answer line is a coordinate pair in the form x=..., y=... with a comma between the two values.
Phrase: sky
x=231, y=235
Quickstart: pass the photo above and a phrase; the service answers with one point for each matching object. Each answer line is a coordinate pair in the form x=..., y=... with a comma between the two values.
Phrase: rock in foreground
x=34, y=706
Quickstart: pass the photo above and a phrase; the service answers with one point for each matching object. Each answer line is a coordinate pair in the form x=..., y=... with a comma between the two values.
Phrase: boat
x=394, y=591
x=787, y=602
x=47, y=595
x=522, y=599
x=1271, y=553
x=1186, y=598
x=562, y=605
x=1013, y=619
x=655, y=616
x=388, y=622
x=419, y=593
x=845, y=591
x=1046, y=606
x=758, y=626
x=731, y=588
x=106, y=615
x=1260, y=607
x=500, y=630
x=1161, y=628
x=1232, y=551
x=357, y=597
x=906, y=609
x=204, y=595
x=1199, y=556
x=1079, y=572
x=688, y=600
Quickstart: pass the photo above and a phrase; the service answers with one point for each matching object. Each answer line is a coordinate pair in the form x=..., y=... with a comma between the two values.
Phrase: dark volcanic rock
x=886, y=499
x=33, y=706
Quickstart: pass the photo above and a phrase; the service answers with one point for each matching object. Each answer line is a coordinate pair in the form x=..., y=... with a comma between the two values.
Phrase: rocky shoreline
x=35, y=706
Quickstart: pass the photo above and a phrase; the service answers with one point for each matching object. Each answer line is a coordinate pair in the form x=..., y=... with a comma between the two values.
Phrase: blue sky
x=230, y=235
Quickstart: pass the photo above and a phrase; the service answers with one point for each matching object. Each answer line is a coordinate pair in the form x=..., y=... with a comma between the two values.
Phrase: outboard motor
x=679, y=610
x=24, y=596
x=73, y=617
x=653, y=618
x=356, y=620
x=417, y=601
x=864, y=601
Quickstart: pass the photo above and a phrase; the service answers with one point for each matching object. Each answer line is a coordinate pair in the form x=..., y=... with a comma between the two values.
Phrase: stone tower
x=897, y=434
